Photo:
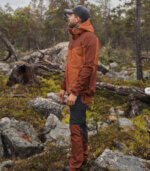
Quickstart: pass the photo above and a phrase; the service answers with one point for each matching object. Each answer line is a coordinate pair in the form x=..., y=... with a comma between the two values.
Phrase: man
x=79, y=81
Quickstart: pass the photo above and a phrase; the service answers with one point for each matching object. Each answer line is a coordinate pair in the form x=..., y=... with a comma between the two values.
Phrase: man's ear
x=79, y=19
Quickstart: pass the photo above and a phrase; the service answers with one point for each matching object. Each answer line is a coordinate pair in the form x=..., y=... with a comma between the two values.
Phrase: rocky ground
x=34, y=124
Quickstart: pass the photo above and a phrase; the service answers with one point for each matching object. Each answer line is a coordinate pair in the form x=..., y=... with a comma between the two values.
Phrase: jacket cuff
x=76, y=93
x=62, y=87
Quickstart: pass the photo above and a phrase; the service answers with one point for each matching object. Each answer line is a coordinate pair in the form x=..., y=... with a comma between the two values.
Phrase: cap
x=80, y=11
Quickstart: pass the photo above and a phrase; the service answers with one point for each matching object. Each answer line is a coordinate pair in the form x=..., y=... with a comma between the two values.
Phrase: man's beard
x=71, y=25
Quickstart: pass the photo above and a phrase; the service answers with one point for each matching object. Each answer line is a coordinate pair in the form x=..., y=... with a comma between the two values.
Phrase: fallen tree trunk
x=124, y=90
x=9, y=46
x=135, y=95
x=27, y=73
x=36, y=64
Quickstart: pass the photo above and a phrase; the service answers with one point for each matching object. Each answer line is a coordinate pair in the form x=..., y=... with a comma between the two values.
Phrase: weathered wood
x=9, y=46
x=24, y=74
x=27, y=73
x=123, y=90
x=134, y=105
x=19, y=95
x=135, y=95
x=8, y=56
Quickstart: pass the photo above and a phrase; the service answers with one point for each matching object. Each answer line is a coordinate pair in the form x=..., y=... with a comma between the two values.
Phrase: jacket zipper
x=67, y=70
x=67, y=67
x=67, y=77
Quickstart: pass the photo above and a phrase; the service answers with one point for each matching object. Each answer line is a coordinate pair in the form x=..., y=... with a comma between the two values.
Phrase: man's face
x=73, y=20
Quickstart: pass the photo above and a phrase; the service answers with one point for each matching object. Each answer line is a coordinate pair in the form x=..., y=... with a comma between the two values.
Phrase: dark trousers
x=79, y=136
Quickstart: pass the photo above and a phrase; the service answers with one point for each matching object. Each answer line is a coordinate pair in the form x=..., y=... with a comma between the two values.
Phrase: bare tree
x=138, y=40
x=82, y=2
x=106, y=12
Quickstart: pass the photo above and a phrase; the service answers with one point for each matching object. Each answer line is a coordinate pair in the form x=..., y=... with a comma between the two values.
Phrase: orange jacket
x=82, y=62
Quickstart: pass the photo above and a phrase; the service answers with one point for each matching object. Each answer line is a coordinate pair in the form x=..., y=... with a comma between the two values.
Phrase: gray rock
x=18, y=138
x=111, y=74
x=1, y=148
x=4, y=69
x=60, y=132
x=45, y=106
x=53, y=96
x=99, y=73
x=93, y=132
x=102, y=68
x=146, y=75
x=133, y=77
x=55, y=130
x=61, y=142
x=5, y=123
x=28, y=129
x=118, y=161
x=56, y=54
x=19, y=144
x=131, y=69
x=6, y=164
x=123, y=75
x=112, y=111
x=62, y=56
x=92, y=125
x=22, y=126
x=120, y=112
x=104, y=125
x=113, y=66
x=51, y=123
x=124, y=122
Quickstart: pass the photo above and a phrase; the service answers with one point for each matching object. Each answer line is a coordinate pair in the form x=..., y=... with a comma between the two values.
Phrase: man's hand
x=61, y=95
x=71, y=99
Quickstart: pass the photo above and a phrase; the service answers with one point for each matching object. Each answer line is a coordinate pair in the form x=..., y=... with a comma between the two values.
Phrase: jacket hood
x=85, y=26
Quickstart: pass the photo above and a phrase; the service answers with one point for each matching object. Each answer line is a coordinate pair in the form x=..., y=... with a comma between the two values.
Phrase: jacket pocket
x=76, y=59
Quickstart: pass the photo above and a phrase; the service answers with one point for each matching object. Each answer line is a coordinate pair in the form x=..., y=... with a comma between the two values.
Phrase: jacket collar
x=85, y=26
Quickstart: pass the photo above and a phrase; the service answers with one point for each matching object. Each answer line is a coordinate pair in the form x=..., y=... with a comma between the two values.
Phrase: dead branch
x=135, y=95
x=9, y=46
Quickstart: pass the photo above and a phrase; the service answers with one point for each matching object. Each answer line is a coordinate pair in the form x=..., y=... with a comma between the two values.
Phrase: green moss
x=103, y=101
x=138, y=83
x=136, y=141
x=123, y=57
x=53, y=158
x=140, y=139
x=3, y=52
x=17, y=107
x=146, y=66
x=66, y=114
